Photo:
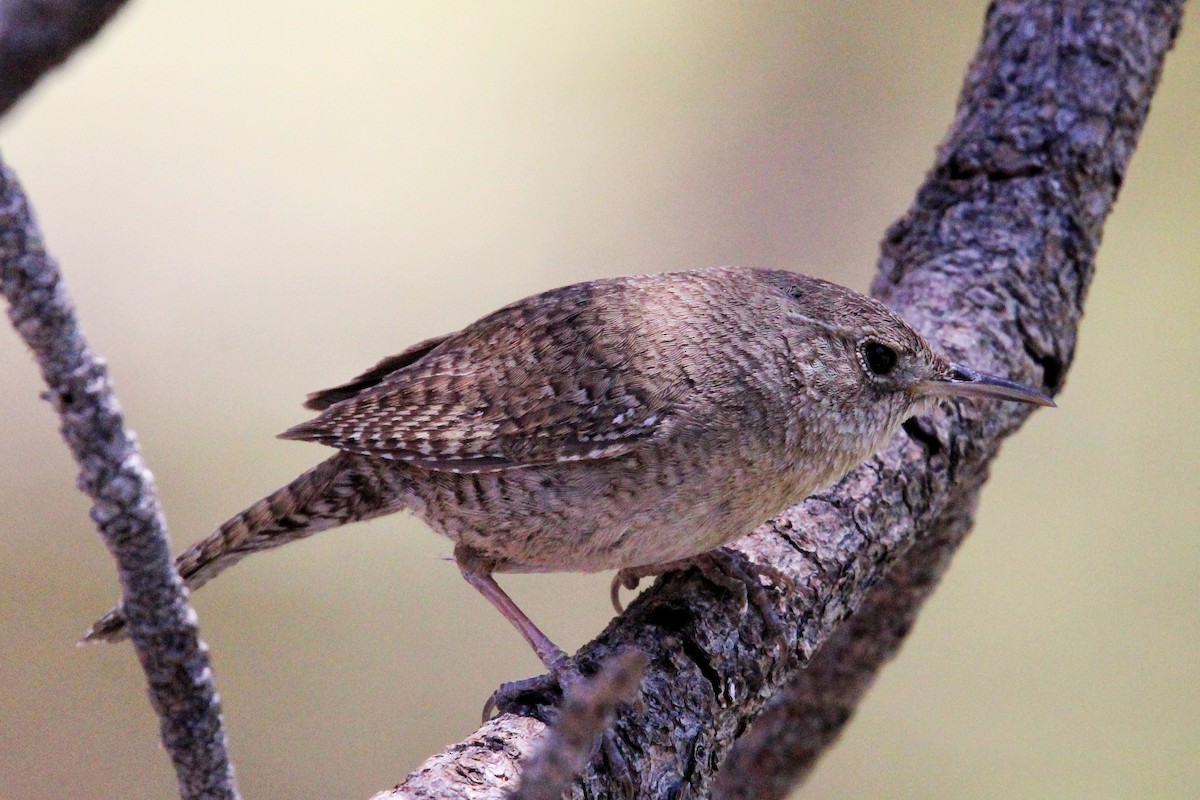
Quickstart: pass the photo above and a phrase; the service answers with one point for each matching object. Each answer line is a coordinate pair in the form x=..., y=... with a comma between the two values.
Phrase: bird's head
x=865, y=370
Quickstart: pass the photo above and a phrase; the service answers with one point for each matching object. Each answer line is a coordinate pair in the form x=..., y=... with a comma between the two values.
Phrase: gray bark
x=35, y=36
x=38, y=35
x=992, y=263
x=125, y=505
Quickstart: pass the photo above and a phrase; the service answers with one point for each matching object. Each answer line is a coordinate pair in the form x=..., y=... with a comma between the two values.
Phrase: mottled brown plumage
x=614, y=424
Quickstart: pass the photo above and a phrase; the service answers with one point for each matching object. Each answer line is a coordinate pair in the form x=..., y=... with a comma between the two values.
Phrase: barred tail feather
x=344, y=488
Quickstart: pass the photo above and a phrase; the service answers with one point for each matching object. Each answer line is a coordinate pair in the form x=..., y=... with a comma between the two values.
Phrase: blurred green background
x=254, y=200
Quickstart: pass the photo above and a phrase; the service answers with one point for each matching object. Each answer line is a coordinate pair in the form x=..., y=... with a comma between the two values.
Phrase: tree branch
x=125, y=505
x=38, y=35
x=1012, y=214
x=785, y=741
x=993, y=263
x=584, y=717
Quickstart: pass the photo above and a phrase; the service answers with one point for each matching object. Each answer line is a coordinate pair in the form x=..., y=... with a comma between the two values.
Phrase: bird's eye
x=879, y=358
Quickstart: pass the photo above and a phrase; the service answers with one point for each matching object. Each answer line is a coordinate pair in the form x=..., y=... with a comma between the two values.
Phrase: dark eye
x=879, y=358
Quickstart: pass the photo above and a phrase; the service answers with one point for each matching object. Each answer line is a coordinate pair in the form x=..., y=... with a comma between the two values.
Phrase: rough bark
x=125, y=505
x=1002, y=238
x=38, y=35
x=583, y=718
x=992, y=262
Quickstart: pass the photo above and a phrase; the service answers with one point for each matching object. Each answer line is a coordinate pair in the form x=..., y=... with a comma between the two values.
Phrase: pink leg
x=478, y=572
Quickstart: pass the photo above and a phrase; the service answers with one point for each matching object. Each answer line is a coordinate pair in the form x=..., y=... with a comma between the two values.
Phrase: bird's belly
x=583, y=517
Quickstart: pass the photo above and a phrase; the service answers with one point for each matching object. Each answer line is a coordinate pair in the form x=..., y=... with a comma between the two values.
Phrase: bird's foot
x=583, y=716
x=630, y=577
x=724, y=567
x=733, y=570
x=536, y=696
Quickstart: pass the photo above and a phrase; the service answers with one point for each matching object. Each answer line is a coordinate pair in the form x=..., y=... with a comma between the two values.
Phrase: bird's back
x=609, y=424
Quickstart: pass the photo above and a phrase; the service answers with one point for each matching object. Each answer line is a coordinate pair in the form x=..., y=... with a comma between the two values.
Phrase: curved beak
x=966, y=382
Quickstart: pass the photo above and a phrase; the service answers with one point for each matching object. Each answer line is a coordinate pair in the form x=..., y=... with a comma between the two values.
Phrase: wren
x=625, y=423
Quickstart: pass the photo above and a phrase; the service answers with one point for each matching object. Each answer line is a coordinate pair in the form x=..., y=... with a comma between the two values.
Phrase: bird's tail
x=344, y=488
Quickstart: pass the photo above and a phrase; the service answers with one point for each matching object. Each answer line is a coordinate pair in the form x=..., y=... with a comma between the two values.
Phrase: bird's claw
x=723, y=567
x=627, y=578
x=732, y=570
x=533, y=696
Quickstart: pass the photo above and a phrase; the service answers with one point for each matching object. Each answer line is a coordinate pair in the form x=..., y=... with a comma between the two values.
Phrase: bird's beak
x=966, y=382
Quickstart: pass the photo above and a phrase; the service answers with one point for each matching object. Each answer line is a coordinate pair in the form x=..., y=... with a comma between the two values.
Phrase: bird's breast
x=584, y=516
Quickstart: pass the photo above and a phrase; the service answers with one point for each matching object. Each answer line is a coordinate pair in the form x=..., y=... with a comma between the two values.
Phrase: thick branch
x=38, y=35
x=993, y=263
x=125, y=504
x=1010, y=217
x=785, y=741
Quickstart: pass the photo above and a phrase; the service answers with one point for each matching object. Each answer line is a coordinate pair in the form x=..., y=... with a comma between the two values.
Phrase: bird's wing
x=556, y=377
x=319, y=401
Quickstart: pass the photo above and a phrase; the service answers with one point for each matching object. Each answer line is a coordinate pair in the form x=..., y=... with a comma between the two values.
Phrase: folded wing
x=549, y=379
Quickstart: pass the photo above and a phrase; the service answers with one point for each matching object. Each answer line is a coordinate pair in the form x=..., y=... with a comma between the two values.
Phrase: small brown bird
x=625, y=423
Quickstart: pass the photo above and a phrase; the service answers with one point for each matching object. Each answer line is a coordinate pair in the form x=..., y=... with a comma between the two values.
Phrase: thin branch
x=992, y=262
x=586, y=714
x=125, y=505
x=38, y=35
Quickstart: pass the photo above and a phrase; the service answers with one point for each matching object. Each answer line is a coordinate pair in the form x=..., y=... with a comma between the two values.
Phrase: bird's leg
x=724, y=567
x=478, y=572
x=562, y=671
